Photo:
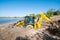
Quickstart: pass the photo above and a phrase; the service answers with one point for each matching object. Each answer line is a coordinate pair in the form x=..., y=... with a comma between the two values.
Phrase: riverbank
x=9, y=33
x=21, y=33
x=7, y=24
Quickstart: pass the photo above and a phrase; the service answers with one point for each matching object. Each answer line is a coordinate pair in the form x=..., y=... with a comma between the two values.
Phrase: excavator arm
x=47, y=19
x=44, y=17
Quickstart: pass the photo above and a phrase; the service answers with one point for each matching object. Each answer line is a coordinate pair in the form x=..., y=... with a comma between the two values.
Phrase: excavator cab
x=29, y=20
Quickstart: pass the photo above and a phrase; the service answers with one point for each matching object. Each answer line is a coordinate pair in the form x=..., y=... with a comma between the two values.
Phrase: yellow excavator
x=34, y=21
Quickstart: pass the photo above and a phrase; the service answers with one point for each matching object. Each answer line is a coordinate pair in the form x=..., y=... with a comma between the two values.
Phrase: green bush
x=52, y=12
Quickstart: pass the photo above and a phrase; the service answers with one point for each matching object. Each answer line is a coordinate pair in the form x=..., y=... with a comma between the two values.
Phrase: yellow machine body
x=20, y=23
x=36, y=24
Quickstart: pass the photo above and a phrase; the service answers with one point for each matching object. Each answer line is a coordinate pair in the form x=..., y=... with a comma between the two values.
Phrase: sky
x=23, y=7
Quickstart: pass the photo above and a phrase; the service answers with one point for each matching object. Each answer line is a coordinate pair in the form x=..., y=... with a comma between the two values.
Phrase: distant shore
x=10, y=17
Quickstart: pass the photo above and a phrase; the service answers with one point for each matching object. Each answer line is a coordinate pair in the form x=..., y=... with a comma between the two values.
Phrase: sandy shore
x=7, y=23
x=7, y=32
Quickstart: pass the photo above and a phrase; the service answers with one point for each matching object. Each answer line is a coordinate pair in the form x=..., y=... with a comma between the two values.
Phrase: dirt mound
x=20, y=33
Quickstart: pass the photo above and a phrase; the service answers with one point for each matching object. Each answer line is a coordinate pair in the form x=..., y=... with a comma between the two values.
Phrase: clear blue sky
x=23, y=7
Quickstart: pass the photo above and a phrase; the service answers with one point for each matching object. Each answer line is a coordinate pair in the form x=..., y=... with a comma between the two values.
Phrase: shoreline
x=7, y=23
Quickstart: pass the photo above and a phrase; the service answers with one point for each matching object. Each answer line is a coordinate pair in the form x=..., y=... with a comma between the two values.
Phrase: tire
x=29, y=27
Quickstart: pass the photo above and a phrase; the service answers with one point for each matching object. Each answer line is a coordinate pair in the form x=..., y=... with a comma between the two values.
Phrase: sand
x=9, y=33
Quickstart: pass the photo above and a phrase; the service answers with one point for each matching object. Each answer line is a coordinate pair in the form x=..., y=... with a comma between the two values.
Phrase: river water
x=7, y=20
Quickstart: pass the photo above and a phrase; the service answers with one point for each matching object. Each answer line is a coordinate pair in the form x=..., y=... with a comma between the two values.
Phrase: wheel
x=29, y=27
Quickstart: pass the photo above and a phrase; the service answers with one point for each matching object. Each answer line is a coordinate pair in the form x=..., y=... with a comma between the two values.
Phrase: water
x=7, y=20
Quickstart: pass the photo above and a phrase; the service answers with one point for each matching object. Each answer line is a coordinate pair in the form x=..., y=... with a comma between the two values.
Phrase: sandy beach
x=7, y=32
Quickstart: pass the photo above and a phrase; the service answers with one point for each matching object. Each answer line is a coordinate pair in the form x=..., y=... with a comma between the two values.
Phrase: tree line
x=52, y=12
x=49, y=13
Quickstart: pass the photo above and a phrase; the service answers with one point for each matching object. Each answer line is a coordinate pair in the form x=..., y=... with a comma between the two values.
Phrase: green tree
x=58, y=12
x=50, y=12
x=32, y=14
